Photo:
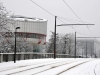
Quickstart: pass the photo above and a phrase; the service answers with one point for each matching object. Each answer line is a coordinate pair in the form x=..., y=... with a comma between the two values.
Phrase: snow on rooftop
x=18, y=17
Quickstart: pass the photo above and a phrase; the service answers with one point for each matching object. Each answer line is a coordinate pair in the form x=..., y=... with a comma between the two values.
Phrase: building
x=91, y=45
x=33, y=30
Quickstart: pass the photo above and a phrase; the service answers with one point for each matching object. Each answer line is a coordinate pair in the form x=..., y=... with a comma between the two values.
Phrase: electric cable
x=77, y=16
x=54, y=15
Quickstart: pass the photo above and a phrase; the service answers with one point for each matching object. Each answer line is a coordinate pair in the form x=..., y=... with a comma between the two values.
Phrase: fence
x=5, y=57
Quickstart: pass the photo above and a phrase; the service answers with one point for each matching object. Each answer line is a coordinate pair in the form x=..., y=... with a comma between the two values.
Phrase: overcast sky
x=87, y=10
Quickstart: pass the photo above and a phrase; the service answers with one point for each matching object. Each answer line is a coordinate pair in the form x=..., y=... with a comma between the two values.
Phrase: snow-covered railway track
x=89, y=68
x=71, y=67
x=62, y=68
x=26, y=67
x=52, y=67
x=41, y=66
x=95, y=69
x=16, y=67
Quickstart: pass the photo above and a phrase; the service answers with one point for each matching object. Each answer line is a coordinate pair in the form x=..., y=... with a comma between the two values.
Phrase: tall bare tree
x=7, y=35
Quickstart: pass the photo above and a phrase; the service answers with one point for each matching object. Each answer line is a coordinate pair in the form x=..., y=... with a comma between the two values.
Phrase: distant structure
x=91, y=45
x=33, y=30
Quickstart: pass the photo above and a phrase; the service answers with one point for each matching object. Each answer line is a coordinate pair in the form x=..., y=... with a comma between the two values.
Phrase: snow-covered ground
x=89, y=68
x=67, y=66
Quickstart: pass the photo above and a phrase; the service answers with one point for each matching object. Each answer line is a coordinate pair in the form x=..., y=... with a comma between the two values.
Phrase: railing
x=5, y=57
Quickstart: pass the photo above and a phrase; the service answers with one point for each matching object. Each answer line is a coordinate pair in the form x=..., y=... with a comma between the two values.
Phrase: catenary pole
x=55, y=39
x=55, y=35
x=86, y=49
x=75, y=44
x=15, y=48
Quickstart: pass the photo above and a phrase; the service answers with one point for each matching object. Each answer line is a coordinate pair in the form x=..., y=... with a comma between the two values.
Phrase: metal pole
x=91, y=53
x=86, y=49
x=95, y=51
x=75, y=44
x=15, y=48
x=15, y=44
x=82, y=52
x=55, y=39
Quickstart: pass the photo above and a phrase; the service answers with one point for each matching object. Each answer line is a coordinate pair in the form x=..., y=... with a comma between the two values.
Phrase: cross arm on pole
x=73, y=24
x=88, y=37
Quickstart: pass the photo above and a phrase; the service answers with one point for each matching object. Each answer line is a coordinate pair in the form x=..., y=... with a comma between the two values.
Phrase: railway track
x=36, y=65
x=40, y=68
x=71, y=67
x=89, y=68
x=22, y=66
x=37, y=69
x=28, y=68
x=59, y=68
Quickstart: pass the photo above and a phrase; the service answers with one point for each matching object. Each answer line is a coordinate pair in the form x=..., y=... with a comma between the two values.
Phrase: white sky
x=87, y=10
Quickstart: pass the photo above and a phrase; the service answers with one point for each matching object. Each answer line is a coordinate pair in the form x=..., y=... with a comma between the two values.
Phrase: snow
x=51, y=67
x=89, y=68
x=23, y=18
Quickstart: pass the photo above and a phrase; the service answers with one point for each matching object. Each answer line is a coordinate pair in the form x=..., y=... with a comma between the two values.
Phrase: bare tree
x=50, y=48
x=4, y=30
x=64, y=44
x=7, y=36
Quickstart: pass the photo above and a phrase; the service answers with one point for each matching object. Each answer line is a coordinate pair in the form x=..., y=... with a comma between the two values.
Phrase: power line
x=83, y=34
x=47, y=11
x=90, y=31
x=72, y=10
x=54, y=15
x=76, y=15
x=65, y=23
x=71, y=20
x=42, y=8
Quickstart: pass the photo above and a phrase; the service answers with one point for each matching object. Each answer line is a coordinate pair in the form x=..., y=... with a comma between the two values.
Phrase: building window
x=30, y=35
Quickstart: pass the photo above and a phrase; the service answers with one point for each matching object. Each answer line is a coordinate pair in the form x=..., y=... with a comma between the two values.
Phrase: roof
x=88, y=40
x=18, y=17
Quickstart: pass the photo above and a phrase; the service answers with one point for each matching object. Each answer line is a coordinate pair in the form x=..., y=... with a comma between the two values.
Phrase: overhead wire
x=44, y=9
x=54, y=15
x=82, y=33
x=77, y=16
x=47, y=11
x=71, y=20
x=72, y=10
x=50, y=13
x=41, y=7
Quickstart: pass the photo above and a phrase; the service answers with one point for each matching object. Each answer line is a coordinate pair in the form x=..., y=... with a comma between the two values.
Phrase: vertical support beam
x=82, y=52
x=91, y=53
x=99, y=53
x=55, y=39
x=86, y=49
x=15, y=48
x=95, y=52
x=75, y=44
